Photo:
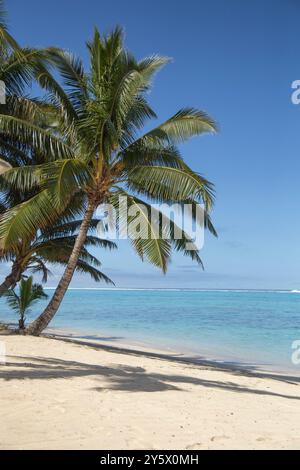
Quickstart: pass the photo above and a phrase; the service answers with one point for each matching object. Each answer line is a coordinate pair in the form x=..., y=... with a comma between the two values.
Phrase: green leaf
x=170, y=184
x=39, y=139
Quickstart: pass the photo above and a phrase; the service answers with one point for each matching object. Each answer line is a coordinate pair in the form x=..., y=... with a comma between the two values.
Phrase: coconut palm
x=28, y=295
x=54, y=247
x=98, y=150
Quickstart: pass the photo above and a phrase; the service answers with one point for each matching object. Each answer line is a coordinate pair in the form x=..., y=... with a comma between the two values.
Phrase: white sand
x=58, y=395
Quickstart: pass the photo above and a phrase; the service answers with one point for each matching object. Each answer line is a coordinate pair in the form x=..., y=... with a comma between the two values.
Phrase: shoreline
x=92, y=396
x=183, y=354
x=172, y=353
x=180, y=358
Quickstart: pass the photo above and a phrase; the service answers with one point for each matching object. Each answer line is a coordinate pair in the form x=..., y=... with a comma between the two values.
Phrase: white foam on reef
x=177, y=289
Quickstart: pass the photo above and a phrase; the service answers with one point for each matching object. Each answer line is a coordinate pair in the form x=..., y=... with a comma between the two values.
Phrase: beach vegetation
x=22, y=301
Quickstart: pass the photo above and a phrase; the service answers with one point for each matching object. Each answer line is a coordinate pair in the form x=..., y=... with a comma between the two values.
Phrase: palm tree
x=29, y=294
x=54, y=247
x=98, y=151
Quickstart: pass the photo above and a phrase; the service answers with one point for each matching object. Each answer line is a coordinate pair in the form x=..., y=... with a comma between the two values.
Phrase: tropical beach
x=83, y=388
x=149, y=238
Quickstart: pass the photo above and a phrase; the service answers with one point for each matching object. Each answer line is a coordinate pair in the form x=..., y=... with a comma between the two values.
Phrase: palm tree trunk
x=12, y=279
x=44, y=319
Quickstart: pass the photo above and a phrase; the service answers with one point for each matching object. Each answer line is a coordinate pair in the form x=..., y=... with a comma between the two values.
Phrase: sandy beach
x=61, y=395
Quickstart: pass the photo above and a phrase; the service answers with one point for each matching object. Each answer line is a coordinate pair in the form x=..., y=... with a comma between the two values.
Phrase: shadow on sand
x=135, y=379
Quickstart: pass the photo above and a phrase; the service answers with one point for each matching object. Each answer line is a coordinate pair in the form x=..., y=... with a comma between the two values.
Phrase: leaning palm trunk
x=44, y=319
x=12, y=279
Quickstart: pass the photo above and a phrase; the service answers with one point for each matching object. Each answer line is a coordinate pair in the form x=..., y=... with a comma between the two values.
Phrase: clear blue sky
x=235, y=59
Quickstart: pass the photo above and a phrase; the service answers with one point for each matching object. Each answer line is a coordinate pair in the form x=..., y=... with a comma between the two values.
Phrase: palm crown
x=28, y=295
x=95, y=145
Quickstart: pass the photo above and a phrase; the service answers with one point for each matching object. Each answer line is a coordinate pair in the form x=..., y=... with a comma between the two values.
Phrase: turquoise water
x=247, y=327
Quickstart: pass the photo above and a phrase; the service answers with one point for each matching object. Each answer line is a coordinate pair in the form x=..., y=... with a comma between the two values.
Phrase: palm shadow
x=117, y=377
x=235, y=368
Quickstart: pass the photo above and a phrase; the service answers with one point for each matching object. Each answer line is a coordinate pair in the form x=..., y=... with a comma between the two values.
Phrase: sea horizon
x=196, y=289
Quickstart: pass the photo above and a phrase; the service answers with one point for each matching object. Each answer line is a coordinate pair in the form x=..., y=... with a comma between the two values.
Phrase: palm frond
x=185, y=124
x=147, y=244
x=152, y=154
x=37, y=265
x=23, y=220
x=95, y=274
x=163, y=228
x=74, y=78
x=38, y=138
x=5, y=38
x=12, y=299
x=170, y=184
x=20, y=68
x=62, y=229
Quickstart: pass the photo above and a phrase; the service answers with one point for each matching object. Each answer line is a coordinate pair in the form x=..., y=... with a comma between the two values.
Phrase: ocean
x=248, y=328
